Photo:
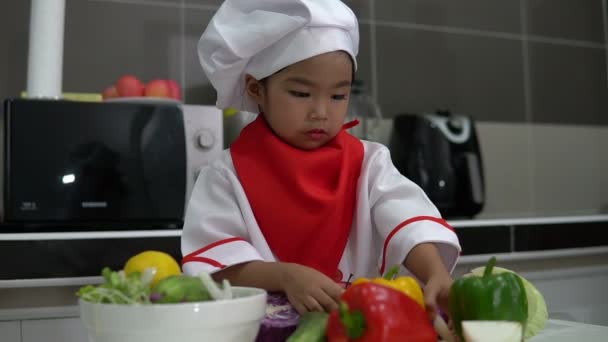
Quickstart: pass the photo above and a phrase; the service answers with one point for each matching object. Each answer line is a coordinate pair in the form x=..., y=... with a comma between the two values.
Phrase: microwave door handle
x=474, y=172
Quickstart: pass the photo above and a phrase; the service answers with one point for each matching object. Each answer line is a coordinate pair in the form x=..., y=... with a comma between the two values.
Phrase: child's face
x=305, y=104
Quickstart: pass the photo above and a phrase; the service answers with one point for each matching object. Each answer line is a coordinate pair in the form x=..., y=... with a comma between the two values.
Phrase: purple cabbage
x=281, y=319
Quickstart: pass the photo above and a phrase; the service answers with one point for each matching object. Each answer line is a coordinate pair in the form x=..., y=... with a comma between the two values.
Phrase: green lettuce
x=118, y=288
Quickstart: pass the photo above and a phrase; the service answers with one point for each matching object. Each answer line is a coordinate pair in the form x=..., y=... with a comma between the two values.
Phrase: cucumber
x=311, y=328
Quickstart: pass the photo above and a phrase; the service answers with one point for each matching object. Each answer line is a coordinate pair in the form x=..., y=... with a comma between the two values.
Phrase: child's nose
x=319, y=111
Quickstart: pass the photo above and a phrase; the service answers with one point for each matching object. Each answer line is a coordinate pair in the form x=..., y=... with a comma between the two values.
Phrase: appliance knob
x=456, y=125
x=205, y=139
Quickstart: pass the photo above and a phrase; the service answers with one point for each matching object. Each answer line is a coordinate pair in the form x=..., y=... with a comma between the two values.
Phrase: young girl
x=297, y=204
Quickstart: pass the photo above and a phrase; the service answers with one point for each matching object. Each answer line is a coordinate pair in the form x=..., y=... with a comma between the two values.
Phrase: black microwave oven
x=71, y=165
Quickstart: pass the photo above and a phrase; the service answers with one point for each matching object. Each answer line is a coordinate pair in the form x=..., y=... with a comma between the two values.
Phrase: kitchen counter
x=76, y=257
x=565, y=331
x=466, y=262
x=53, y=265
x=527, y=221
x=472, y=223
x=554, y=272
x=72, y=329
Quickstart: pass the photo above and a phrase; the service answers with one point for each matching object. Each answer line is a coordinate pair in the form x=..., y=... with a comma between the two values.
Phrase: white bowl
x=230, y=320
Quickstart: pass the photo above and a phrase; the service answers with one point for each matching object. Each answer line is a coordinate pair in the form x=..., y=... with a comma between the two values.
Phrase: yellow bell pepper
x=406, y=285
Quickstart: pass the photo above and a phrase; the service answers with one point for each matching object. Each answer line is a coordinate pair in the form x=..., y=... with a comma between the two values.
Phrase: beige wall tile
x=566, y=167
x=506, y=160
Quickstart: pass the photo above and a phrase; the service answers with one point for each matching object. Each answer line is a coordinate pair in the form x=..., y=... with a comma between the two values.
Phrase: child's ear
x=254, y=89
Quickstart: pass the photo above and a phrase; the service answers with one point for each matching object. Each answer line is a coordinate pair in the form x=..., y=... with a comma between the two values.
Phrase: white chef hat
x=261, y=37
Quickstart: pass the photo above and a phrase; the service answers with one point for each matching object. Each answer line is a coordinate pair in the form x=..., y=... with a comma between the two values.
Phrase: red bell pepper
x=371, y=312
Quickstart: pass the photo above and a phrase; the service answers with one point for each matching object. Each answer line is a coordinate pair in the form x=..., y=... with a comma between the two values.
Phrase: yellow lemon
x=164, y=263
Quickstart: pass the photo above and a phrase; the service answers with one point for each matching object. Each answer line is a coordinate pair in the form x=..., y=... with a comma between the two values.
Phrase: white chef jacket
x=392, y=216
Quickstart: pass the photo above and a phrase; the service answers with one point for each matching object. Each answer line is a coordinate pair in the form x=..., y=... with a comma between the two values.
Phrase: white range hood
x=45, y=54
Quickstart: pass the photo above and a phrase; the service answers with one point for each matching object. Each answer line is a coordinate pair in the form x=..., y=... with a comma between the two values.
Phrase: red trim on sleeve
x=209, y=261
x=402, y=225
x=194, y=255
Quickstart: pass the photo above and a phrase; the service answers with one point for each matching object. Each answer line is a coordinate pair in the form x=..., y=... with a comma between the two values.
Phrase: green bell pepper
x=491, y=297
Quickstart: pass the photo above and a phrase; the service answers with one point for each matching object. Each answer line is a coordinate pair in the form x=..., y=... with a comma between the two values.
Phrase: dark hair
x=352, y=65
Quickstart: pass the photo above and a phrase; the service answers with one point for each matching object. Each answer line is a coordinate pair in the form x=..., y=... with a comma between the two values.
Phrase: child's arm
x=425, y=263
x=263, y=275
x=412, y=229
x=306, y=288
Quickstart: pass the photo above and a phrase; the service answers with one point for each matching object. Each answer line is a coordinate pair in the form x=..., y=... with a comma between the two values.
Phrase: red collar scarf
x=303, y=201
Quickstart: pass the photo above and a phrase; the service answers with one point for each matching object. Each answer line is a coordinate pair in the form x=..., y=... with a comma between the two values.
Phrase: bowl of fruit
x=150, y=300
x=129, y=88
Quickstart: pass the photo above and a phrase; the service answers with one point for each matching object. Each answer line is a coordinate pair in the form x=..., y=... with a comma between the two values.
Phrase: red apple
x=129, y=85
x=157, y=88
x=174, y=90
x=109, y=93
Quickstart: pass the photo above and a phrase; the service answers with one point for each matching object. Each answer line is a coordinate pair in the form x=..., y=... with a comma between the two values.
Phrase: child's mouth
x=316, y=134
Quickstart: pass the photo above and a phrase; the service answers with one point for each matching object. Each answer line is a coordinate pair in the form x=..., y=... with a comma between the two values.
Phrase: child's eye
x=339, y=97
x=298, y=93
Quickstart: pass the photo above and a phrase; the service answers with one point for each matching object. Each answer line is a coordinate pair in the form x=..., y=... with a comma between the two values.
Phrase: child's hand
x=310, y=290
x=436, y=293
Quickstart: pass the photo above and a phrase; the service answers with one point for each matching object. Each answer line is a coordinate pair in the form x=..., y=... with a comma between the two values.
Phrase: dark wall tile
x=421, y=71
x=14, y=32
x=558, y=236
x=162, y=3
x=578, y=19
x=215, y=3
x=568, y=84
x=484, y=240
x=361, y=8
x=197, y=89
x=106, y=40
x=364, y=58
x=492, y=15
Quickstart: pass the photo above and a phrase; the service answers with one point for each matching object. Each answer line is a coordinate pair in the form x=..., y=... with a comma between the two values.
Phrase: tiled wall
x=544, y=169
x=497, y=60
x=540, y=169
x=516, y=66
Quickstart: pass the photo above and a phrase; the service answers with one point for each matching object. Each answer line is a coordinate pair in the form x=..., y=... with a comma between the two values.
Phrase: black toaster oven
x=441, y=153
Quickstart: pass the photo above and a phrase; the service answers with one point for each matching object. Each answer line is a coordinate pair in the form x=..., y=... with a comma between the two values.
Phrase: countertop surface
x=555, y=330
x=57, y=293
x=129, y=233
x=566, y=331
x=509, y=239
